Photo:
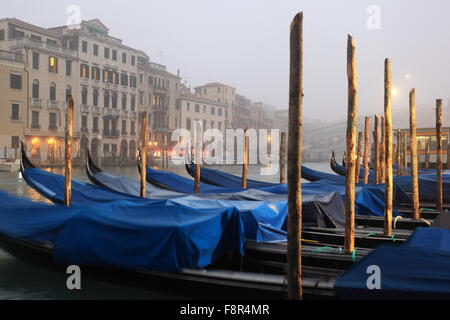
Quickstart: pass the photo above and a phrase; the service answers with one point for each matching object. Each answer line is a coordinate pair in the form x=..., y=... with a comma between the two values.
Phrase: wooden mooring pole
x=198, y=150
x=383, y=151
x=245, y=162
x=448, y=152
x=358, y=157
x=405, y=154
x=366, y=149
x=389, y=182
x=283, y=158
x=351, y=147
x=68, y=154
x=143, y=190
x=414, y=156
x=398, y=153
x=439, y=199
x=376, y=134
x=294, y=250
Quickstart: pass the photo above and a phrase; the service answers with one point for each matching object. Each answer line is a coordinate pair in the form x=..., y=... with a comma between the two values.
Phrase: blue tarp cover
x=126, y=234
x=417, y=269
x=323, y=209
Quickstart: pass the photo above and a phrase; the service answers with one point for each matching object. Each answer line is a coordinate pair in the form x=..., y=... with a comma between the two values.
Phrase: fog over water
x=245, y=44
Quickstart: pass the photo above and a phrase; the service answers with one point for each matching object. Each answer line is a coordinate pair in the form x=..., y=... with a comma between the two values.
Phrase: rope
x=370, y=234
x=393, y=238
x=395, y=221
x=354, y=255
x=426, y=221
x=321, y=249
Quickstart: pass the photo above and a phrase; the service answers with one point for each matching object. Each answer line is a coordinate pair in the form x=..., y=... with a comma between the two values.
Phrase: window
x=106, y=76
x=53, y=91
x=15, y=142
x=124, y=126
x=68, y=92
x=52, y=43
x=220, y=111
x=133, y=102
x=204, y=109
x=106, y=53
x=84, y=95
x=141, y=97
x=2, y=35
x=188, y=124
x=213, y=110
x=35, y=89
x=212, y=124
x=124, y=57
x=84, y=46
x=15, y=112
x=35, y=60
x=52, y=121
x=150, y=81
x=197, y=108
x=124, y=101
x=218, y=90
x=133, y=82
x=84, y=71
x=95, y=124
x=95, y=49
x=114, y=55
x=220, y=125
x=114, y=100
x=35, y=120
x=188, y=107
x=16, y=81
x=53, y=64
x=69, y=68
x=141, y=78
x=204, y=125
x=95, y=98
x=204, y=90
x=133, y=60
x=132, y=127
x=106, y=100
x=84, y=121
x=96, y=73
x=124, y=79
x=18, y=34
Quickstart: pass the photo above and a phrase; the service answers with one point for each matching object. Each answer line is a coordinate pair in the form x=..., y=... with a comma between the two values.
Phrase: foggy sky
x=246, y=44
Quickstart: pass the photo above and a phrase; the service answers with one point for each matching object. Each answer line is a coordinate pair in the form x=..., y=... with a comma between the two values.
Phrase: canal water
x=20, y=280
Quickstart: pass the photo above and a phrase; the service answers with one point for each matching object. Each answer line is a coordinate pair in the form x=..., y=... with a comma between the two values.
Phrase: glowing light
x=51, y=141
x=408, y=76
x=52, y=61
x=394, y=92
x=35, y=141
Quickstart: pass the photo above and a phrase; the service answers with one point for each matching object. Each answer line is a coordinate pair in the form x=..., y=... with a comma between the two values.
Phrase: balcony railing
x=85, y=108
x=53, y=105
x=124, y=113
x=36, y=102
x=107, y=111
x=115, y=112
x=96, y=109
x=133, y=115
x=52, y=128
x=28, y=43
x=35, y=127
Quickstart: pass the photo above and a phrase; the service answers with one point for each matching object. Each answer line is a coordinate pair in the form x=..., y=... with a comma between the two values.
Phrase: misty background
x=245, y=44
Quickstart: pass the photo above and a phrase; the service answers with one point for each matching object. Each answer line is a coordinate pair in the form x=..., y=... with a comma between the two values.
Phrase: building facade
x=14, y=99
x=49, y=68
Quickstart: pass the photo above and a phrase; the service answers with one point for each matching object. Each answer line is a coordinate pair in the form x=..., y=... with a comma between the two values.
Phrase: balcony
x=36, y=102
x=96, y=110
x=28, y=43
x=53, y=105
x=115, y=112
x=133, y=90
x=107, y=111
x=85, y=81
x=107, y=85
x=84, y=130
x=52, y=128
x=35, y=127
x=124, y=113
x=96, y=83
x=124, y=89
x=133, y=115
x=85, y=108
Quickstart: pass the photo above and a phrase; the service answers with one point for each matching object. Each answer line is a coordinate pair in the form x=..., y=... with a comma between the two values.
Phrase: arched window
x=84, y=95
x=53, y=91
x=35, y=88
x=95, y=97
